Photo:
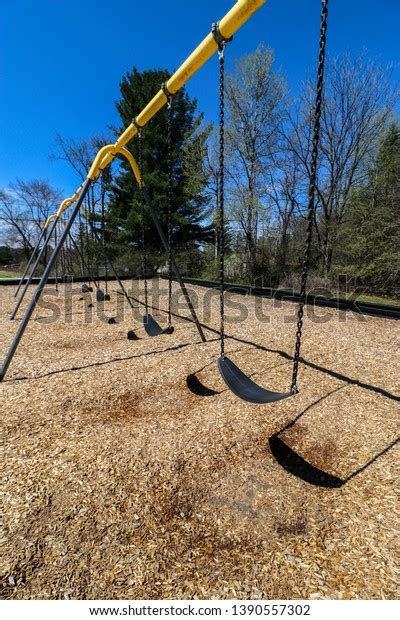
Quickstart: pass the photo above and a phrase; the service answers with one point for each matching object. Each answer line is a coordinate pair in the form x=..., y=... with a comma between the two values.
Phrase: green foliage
x=5, y=255
x=372, y=232
x=189, y=201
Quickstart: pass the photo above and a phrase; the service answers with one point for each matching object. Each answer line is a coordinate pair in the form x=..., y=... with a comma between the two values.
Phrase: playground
x=135, y=473
x=199, y=378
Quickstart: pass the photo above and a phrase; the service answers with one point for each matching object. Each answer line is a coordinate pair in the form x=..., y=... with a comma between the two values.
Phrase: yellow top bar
x=228, y=25
x=63, y=206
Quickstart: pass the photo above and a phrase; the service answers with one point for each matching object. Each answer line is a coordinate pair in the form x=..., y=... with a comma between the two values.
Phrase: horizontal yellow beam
x=49, y=220
x=228, y=25
x=63, y=207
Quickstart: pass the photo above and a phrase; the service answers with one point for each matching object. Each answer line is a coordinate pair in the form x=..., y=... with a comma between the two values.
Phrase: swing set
x=216, y=41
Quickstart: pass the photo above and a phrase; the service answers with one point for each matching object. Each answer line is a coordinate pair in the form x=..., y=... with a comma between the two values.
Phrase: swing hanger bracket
x=168, y=95
x=136, y=124
x=219, y=38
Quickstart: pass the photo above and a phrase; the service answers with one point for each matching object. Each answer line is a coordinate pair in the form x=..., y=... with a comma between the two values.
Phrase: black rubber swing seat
x=244, y=387
x=100, y=296
x=153, y=328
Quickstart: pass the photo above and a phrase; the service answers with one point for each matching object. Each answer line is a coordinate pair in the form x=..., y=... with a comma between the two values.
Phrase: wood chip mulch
x=121, y=482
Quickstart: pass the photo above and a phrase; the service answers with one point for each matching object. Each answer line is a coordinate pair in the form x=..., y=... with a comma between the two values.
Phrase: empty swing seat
x=100, y=296
x=244, y=387
x=153, y=328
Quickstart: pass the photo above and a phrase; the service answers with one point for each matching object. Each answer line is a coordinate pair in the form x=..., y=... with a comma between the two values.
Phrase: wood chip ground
x=121, y=482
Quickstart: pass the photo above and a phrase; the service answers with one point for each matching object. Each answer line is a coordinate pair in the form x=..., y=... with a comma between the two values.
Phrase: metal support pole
x=164, y=241
x=29, y=280
x=43, y=281
x=42, y=234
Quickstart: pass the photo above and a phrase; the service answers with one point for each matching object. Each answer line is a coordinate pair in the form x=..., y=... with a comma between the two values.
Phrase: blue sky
x=61, y=61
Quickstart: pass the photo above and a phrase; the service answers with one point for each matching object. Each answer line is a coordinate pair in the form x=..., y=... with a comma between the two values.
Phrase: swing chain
x=103, y=233
x=56, y=262
x=311, y=191
x=143, y=234
x=221, y=215
x=221, y=42
x=169, y=205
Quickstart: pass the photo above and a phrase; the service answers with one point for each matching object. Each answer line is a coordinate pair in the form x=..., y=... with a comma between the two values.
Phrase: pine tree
x=190, y=200
x=373, y=227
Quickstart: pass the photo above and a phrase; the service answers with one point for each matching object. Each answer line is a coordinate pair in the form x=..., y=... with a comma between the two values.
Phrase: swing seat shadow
x=198, y=388
x=299, y=467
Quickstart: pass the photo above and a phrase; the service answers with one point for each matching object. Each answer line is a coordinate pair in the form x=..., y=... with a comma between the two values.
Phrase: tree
x=212, y=182
x=255, y=96
x=189, y=202
x=372, y=231
x=5, y=255
x=24, y=209
x=79, y=154
x=358, y=101
x=285, y=191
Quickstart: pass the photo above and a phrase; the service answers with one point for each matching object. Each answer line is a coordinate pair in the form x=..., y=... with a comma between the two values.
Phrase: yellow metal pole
x=135, y=168
x=63, y=207
x=228, y=25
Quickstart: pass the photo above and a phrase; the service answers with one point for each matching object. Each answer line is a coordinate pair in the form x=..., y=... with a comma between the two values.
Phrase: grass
x=376, y=299
x=373, y=299
x=9, y=274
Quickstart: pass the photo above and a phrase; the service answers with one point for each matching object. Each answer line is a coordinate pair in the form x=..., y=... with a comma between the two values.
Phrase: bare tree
x=15, y=227
x=358, y=101
x=255, y=96
x=24, y=209
x=286, y=192
x=80, y=155
x=211, y=167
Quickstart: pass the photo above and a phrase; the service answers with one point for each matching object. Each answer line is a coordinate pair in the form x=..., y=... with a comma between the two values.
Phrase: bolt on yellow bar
x=228, y=25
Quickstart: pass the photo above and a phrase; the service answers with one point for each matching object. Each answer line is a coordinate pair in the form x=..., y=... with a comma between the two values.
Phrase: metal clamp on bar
x=218, y=36
x=165, y=90
x=136, y=124
x=168, y=95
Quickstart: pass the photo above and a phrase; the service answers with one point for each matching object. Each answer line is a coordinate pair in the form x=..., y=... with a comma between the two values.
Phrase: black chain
x=87, y=239
x=143, y=234
x=68, y=257
x=62, y=256
x=221, y=214
x=56, y=263
x=93, y=246
x=81, y=241
x=96, y=246
x=103, y=233
x=311, y=190
x=169, y=207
